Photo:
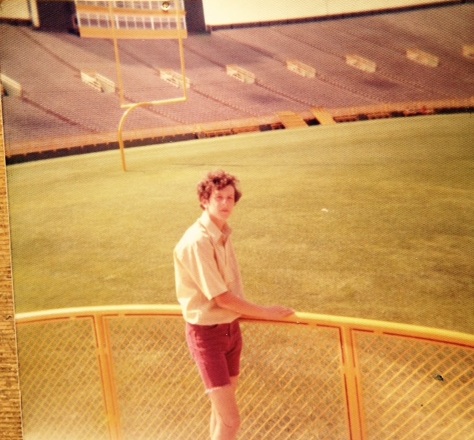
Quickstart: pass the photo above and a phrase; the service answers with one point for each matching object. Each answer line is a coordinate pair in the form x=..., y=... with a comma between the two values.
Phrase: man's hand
x=278, y=312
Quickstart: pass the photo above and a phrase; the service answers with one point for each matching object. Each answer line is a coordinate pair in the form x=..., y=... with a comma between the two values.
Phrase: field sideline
x=370, y=219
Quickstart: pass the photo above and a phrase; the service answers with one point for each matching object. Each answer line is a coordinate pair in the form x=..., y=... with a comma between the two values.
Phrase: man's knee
x=226, y=409
x=232, y=422
x=228, y=416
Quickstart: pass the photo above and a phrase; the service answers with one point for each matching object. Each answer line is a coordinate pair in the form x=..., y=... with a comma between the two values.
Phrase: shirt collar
x=213, y=229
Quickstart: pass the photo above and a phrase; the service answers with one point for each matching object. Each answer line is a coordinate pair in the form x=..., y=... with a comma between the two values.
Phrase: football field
x=371, y=219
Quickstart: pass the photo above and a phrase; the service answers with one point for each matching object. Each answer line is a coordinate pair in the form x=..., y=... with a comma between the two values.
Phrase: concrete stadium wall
x=19, y=10
x=249, y=11
x=15, y=9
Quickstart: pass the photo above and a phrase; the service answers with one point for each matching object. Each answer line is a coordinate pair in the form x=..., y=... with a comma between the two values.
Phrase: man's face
x=220, y=205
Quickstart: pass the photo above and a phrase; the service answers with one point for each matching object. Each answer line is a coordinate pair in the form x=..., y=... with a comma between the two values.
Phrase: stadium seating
x=57, y=103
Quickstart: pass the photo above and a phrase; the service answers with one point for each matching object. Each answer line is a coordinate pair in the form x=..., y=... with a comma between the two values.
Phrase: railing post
x=352, y=385
x=107, y=377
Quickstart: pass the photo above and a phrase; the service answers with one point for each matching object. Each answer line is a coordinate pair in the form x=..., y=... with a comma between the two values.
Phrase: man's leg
x=225, y=418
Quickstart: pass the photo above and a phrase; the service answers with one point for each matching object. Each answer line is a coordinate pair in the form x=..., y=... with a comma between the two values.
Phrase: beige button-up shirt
x=205, y=267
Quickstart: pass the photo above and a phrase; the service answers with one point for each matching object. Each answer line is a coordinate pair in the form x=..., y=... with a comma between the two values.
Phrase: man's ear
x=204, y=202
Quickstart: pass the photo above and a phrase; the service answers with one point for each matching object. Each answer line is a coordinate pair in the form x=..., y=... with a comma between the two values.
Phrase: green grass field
x=370, y=219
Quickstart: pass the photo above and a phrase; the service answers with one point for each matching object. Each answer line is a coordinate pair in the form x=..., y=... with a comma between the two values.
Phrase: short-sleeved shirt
x=205, y=267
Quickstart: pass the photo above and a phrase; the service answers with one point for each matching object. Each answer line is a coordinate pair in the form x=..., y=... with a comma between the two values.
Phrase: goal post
x=134, y=19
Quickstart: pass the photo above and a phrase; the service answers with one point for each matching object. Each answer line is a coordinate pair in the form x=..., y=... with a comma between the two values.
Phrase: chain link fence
x=125, y=373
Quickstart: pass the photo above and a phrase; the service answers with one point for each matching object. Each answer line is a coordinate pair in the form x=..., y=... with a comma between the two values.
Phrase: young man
x=209, y=290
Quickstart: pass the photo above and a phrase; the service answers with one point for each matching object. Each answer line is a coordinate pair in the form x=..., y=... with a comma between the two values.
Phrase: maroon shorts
x=216, y=350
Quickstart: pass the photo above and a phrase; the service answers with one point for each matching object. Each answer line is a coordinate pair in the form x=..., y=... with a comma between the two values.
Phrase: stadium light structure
x=134, y=19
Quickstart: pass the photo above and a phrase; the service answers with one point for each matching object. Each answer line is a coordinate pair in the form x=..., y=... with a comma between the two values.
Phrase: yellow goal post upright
x=134, y=19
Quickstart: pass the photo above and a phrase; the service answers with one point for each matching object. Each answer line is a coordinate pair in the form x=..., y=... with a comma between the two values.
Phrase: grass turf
x=370, y=219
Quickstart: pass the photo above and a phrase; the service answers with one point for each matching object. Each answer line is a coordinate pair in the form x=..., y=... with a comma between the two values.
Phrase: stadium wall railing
x=124, y=372
x=37, y=149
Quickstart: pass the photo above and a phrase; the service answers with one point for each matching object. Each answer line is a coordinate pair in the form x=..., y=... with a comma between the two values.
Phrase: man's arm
x=243, y=307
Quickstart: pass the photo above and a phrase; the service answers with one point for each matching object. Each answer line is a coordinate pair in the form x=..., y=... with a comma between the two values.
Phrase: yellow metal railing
x=124, y=372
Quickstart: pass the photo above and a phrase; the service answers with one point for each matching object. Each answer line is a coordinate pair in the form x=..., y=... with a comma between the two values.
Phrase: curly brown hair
x=217, y=180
